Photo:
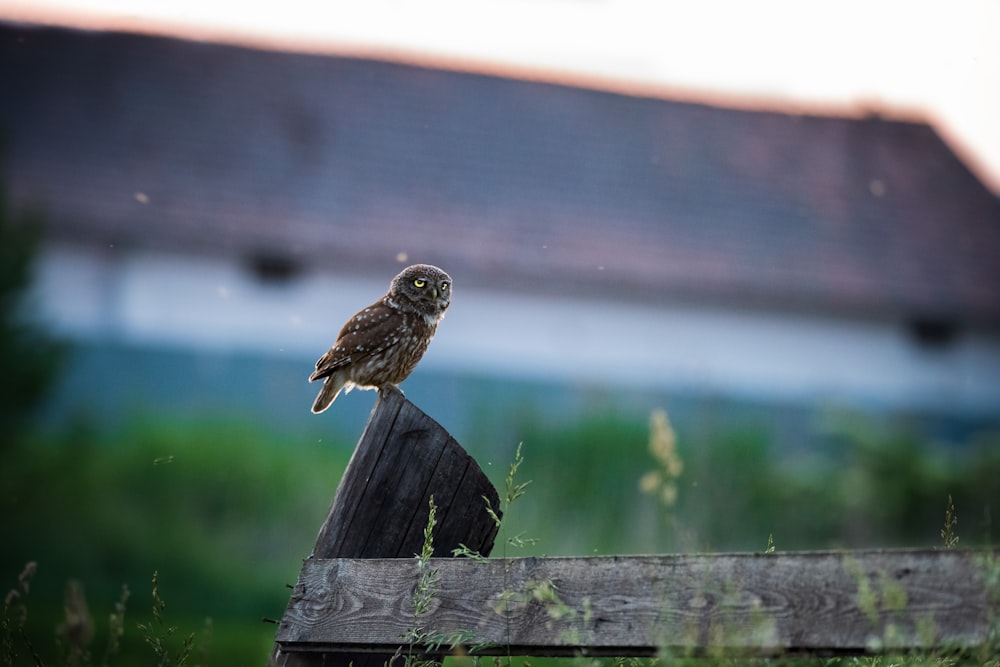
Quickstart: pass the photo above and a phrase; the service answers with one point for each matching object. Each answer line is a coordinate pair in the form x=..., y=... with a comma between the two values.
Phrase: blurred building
x=229, y=208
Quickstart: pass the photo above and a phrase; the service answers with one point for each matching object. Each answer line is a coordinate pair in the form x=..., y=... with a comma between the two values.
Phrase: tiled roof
x=511, y=184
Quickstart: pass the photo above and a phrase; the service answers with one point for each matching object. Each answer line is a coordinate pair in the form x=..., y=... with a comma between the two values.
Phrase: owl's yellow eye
x=419, y=282
x=444, y=287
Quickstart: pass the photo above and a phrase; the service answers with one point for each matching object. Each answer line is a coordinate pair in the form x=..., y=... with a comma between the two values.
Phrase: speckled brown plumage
x=382, y=344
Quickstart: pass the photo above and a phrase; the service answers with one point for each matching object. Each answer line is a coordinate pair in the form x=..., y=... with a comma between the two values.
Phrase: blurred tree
x=29, y=356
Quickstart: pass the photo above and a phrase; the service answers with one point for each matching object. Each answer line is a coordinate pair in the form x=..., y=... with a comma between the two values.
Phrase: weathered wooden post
x=381, y=506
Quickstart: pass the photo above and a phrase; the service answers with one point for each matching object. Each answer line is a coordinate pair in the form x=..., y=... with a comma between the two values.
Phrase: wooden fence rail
x=353, y=604
x=815, y=602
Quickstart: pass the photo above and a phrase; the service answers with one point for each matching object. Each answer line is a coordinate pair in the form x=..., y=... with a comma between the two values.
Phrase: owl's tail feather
x=331, y=388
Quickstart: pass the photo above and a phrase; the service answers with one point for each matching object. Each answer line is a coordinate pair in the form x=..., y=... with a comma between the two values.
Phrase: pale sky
x=937, y=61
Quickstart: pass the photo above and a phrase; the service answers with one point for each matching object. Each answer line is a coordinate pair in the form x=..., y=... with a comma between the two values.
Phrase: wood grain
x=815, y=602
x=382, y=504
x=403, y=458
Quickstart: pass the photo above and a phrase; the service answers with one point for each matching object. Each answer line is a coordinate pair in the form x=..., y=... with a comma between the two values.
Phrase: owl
x=381, y=345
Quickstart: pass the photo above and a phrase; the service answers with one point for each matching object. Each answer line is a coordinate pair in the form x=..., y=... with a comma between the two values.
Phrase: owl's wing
x=366, y=334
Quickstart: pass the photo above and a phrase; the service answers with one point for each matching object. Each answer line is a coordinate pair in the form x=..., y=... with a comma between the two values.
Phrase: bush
x=223, y=511
x=855, y=484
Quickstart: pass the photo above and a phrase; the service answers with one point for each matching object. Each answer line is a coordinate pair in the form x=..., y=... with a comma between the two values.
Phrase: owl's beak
x=434, y=292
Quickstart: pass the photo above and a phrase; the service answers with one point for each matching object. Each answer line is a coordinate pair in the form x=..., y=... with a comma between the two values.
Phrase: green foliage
x=948, y=535
x=585, y=497
x=207, y=505
x=15, y=618
x=75, y=635
x=223, y=511
x=29, y=356
x=423, y=593
x=116, y=627
x=512, y=491
x=853, y=483
x=419, y=638
x=157, y=634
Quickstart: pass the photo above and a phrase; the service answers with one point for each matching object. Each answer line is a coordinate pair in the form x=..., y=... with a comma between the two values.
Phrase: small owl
x=381, y=345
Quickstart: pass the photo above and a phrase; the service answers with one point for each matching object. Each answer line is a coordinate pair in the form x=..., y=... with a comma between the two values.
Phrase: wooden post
x=381, y=507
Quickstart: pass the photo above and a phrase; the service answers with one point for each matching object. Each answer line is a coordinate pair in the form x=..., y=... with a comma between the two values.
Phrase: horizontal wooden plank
x=816, y=602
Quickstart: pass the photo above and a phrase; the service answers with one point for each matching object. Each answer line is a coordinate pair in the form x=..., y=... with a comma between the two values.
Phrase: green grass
x=854, y=484
x=224, y=512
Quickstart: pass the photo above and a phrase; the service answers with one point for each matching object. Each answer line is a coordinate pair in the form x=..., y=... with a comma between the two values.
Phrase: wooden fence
x=355, y=599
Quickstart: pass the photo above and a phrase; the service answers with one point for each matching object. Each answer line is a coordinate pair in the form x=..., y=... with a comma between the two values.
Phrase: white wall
x=211, y=303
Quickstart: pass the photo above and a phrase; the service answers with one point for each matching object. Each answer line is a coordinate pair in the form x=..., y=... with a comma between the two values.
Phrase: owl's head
x=424, y=288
